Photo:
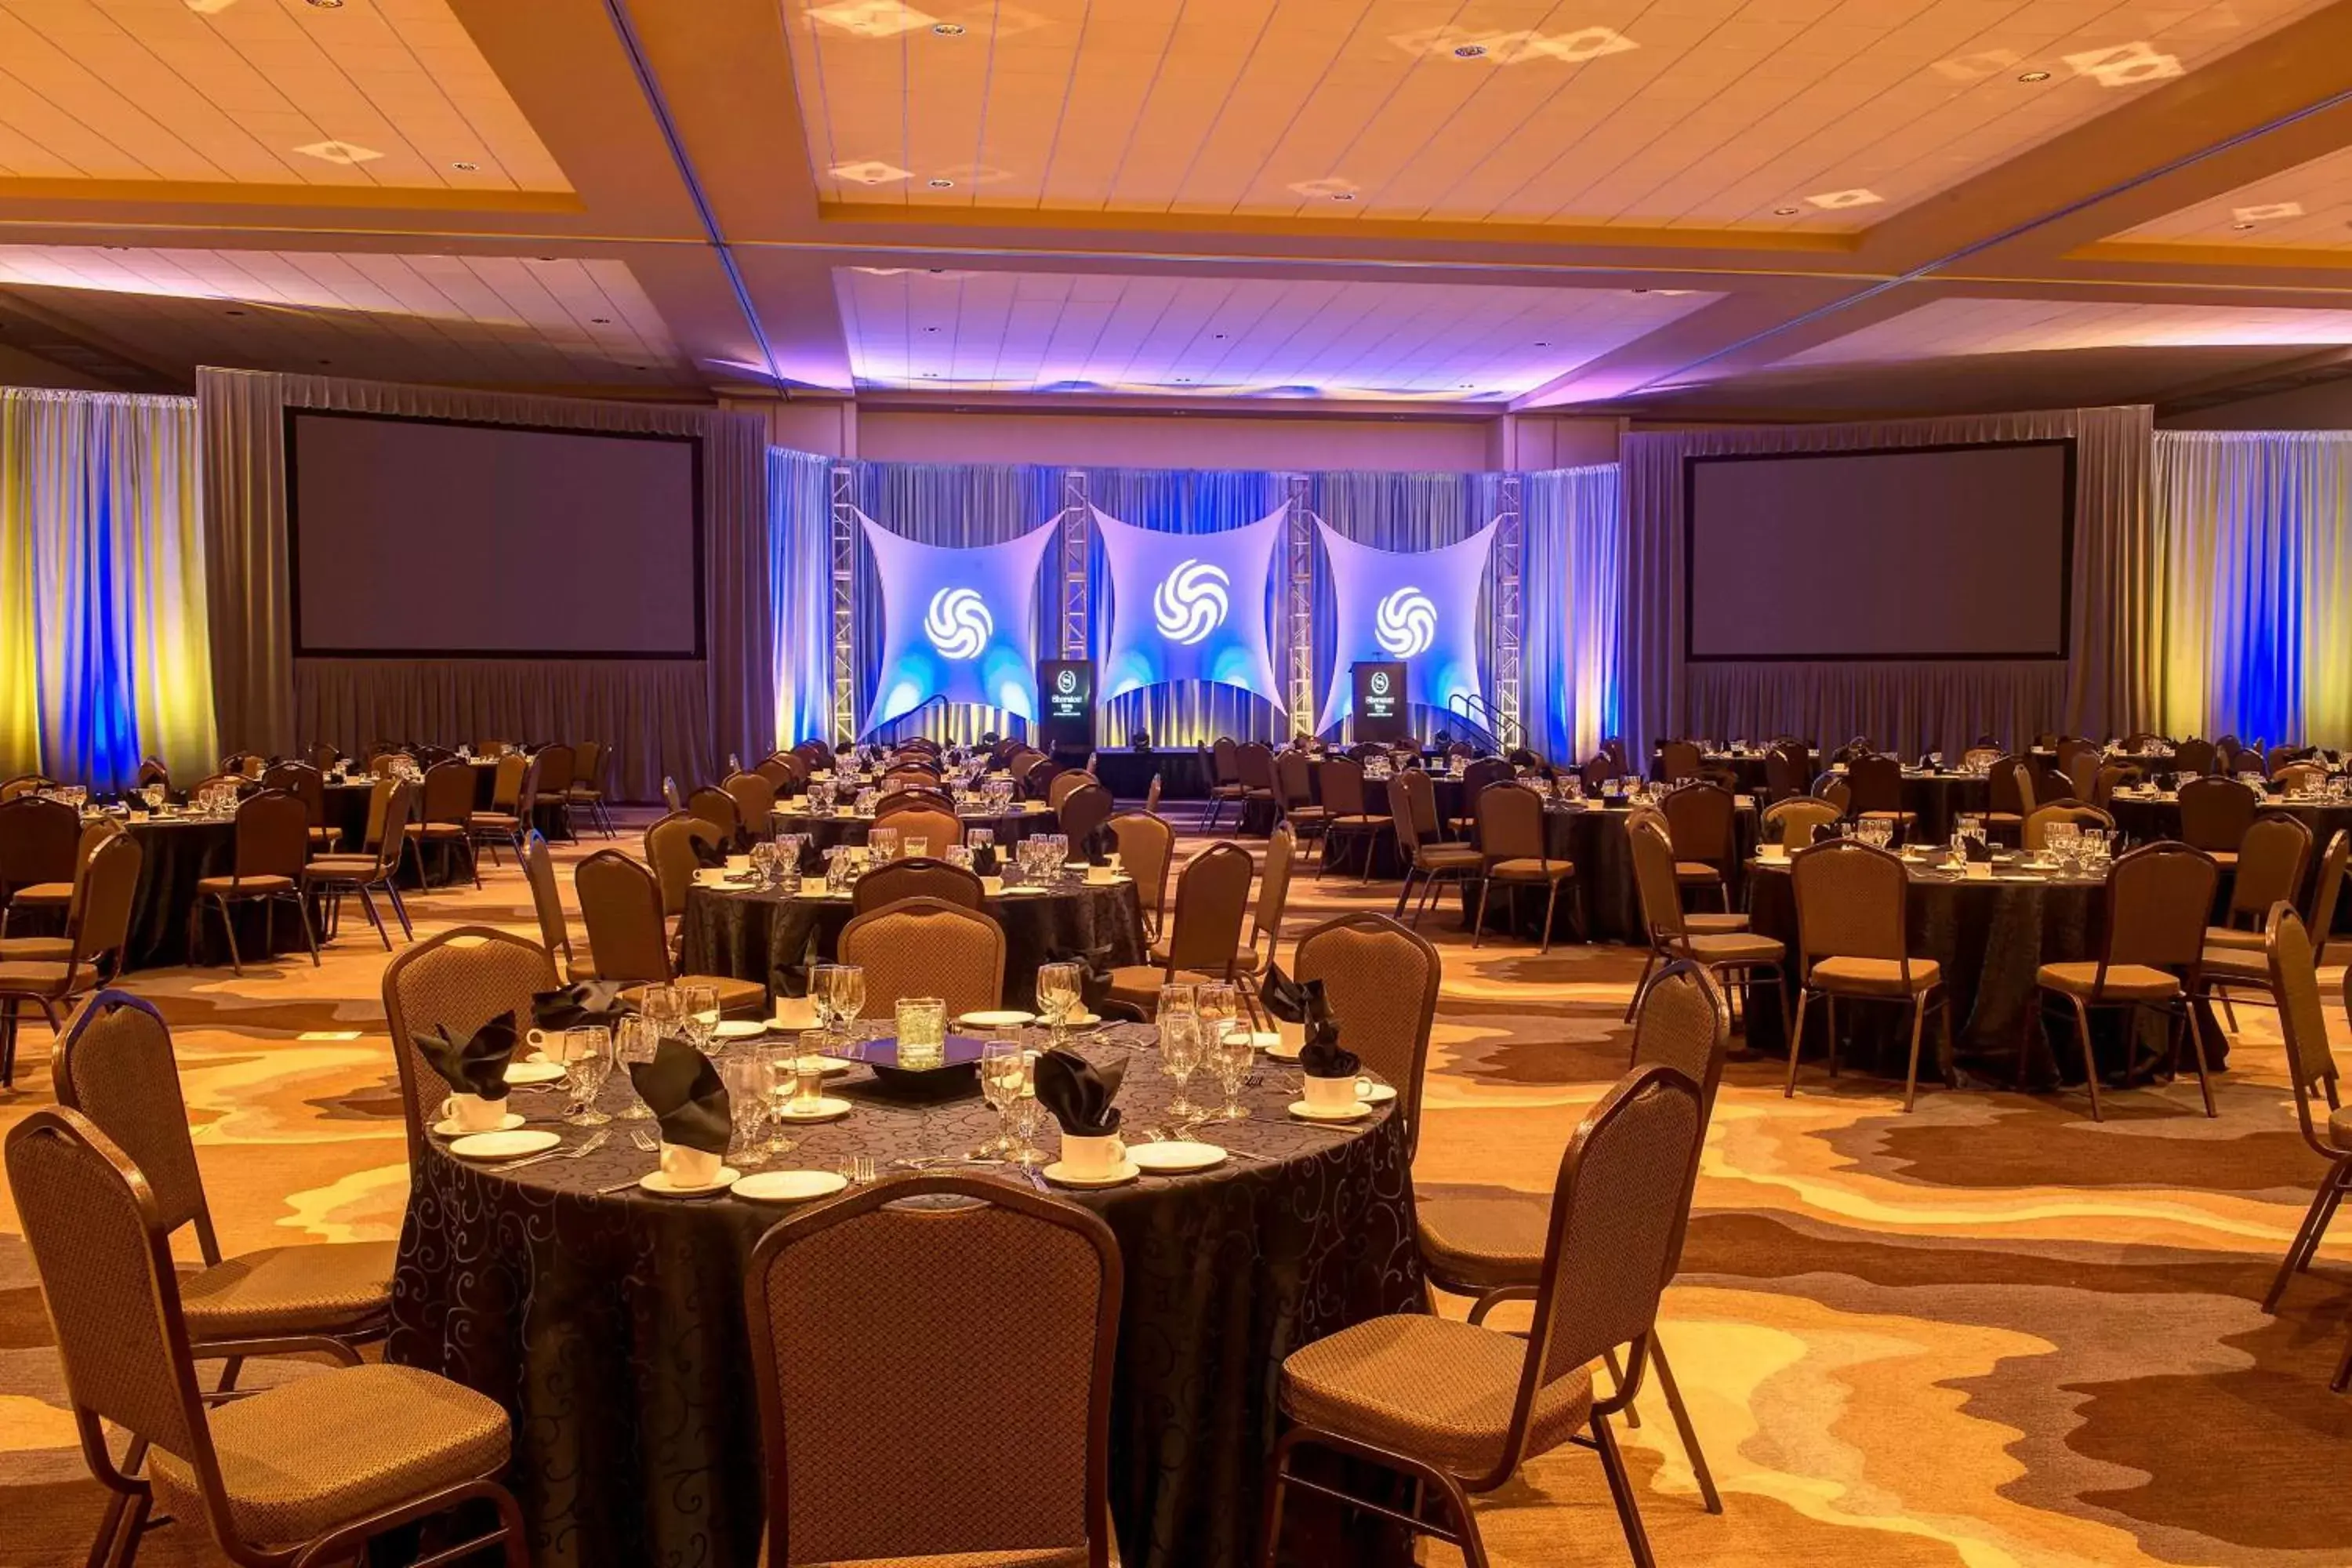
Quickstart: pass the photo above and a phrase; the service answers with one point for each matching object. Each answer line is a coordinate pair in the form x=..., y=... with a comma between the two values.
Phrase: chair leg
x=1911, y=1076
x=228, y=930
x=1277, y=1482
x=2090, y=1059
x=375, y=919
x=1648, y=961
x=1617, y=1383
x=309, y=933
x=399, y=907
x=1621, y=1491
x=1406, y=893
x=1796, y=1043
x=1682, y=1427
x=2197, y=1046
x=1828, y=1005
x=2306, y=1236
x=1479, y=928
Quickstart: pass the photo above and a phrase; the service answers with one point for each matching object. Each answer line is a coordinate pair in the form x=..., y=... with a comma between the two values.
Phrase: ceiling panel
x=1945, y=329
x=369, y=93
x=1225, y=336
x=424, y=318
x=1806, y=115
x=2308, y=208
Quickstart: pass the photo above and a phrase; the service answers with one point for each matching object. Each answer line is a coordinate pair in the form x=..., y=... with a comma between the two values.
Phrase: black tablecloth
x=1748, y=767
x=1991, y=938
x=612, y=1327
x=1603, y=898
x=1185, y=773
x=839, y=827
x=2145, y=819
x=1937, y=799
x=765, y=937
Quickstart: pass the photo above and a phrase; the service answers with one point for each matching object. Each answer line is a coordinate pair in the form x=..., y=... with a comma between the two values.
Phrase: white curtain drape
x=2256, y=528
x=1571, y=595
x=659, y=717
x=2107, y=687
x=102, y=618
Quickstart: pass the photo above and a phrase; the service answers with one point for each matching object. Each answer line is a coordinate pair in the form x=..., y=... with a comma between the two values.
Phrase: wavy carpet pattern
x=1984, y=1334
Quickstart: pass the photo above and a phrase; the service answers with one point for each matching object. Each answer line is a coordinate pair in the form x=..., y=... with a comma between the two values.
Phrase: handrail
x=1500, y=729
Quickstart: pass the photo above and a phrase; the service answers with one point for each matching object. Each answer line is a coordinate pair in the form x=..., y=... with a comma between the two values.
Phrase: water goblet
x=778, y=1071
x=915, y=846
x=1217, y=1004
x=663, y=1006
x=1003, y=1076
x=699, y=1014
x=746, y=1077
x=1233, y=1057
x=638, y=1039
x=587, y=1057
x=1179, y=1058
x=848, y=998
x=1059, y=995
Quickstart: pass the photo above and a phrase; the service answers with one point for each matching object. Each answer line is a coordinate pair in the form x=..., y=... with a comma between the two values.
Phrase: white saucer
x=528, y=1073
x=789, y=1186
x=1305, y=1112
x=504, y=1145
x=739, y=1029
x=1283, y=1053
x=827, y=1110
x=999, y=1018
x=1173, y=1157
x=658, y=1183
x=1378, y=1094
x=1080, y=1020
x=1059, y=1174
x=447, y=1127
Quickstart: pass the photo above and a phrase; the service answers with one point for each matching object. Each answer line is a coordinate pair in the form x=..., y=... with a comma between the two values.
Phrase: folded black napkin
x=1978, y=851
x=1825, y=833
x=477, y=1065
x=681, y=1087
x=1322, y=1056
x=984, y=861
x=578, y=1006
x=1285, y=998
x=1093, y=972
x=1078, y=1094
x=708, y=856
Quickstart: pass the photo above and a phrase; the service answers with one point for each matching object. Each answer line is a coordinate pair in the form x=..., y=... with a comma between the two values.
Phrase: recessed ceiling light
x=1834, y=201
x=1343, y=195
x=2033, y=76
x=1543, y=343
x=1461, y=51
x=600, y=321
x=943, y=184
x=2242, y=226
x=465, y=168
x=1786, y=212
x=326, y=5
x=232, y=313
x=339, y=153
x=947, y=29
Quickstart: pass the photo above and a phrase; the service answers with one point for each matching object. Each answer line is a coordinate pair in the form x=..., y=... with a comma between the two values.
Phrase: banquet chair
x=718, y=807
x=1476, y=777
x=2214, y=815
x=1792, y=821
x=1146, y=844
x=1785, y=768
x=248, y=764
x=1412, y=810
x=1084, y=810
x=2279, y=756
x=1488, y=1243
x=1381, y=981
x=514, y=780
x=921, y=878
x=2157, y=898
x=891, y=803
x=2300, y=778
x=1347, y=814
x=926, y=947
x=2035, y=833
x=621, y=905
x=2271, y=865
x=1514, y=849
x=670, y=849
x=444, y=812
x=886, y=1333
x=2008, y=790
x=1151, y=794
x=1703, y=830
x=783, y=773
x=1598, y=770
x=98, y=928
x=306, y=1472
x=1255, y=761
x=1294, y=797
x=2113, y=777
x=41, y=846
x=1731, y=957
x=2193, y=756
x=1226, y=787
x=1065, y=782
x=1875, y=792
x=2327, y=1127
x=1854, y=940
x=271, y=852
x=376, y=866
x=1457, y=1406
x=755, y=802
x=457, y=982
x=937, y=825
x=586, y=790
x=547, y=903
x=1266, y=912
x=152, y=773
x=2081, y=772
x=1680, y=761
x=1204, y=933
x=309, y=785
x=559, y=770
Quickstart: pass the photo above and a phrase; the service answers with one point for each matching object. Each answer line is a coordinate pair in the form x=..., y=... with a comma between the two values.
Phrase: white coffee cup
x=1293, y=1036
x=1775, y=851
x=1088, y=1157
x=738, y=865
x=1981, y=870
x=1332, y=1093
x=474, y=1114
x=689, y=1167
x=795, y=1013
x=991, y=887
x=1098, y=875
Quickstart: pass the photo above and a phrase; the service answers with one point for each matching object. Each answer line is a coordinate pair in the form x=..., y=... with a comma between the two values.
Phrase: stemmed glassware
x=846, y=989
x=698, y=1014
x=1218, y=1004
x=1234, y=1057
x=1003, y=1083
x=1179, y=1056
x=746, y=1077
x=663, y=1006
x=638, y=1039
x=1059, y=996
x=587, y=1057
x=779, y=1072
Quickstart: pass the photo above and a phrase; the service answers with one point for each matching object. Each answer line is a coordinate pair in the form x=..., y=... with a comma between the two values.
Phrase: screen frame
x=293, y=412
x=2066, y=558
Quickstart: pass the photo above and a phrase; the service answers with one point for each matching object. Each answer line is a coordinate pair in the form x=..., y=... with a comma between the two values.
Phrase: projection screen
x=430, y=538
x=1927, y=553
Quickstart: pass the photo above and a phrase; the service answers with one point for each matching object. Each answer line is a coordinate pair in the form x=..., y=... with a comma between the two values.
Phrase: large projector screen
x=1926, y=553
x=438, y=538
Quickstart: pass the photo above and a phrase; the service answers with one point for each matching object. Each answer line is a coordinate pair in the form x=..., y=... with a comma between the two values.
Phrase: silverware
x=1245, y=1154
x=582, y=1152
x=858, y=1168
x=618, y=1187
x=645, y=1144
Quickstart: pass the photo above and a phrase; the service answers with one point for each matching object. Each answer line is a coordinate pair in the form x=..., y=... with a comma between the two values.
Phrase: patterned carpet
x=1987, y=1333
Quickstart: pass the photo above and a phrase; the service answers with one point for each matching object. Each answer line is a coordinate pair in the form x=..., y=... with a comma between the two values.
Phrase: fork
x=858, y=1168
x=644, y=1142
x=594, y=1144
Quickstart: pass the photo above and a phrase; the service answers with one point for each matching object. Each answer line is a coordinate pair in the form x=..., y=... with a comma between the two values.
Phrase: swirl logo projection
x=1405, y=624
x=1380, y=683
x=1191, y=601
x=1066, y=683
x=958, y=622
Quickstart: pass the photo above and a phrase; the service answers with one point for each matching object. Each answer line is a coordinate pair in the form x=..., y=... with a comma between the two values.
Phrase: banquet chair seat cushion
x=493, y=819
x=226, y=887
x=1439, y=1390
x=1734, y=947
x=325, y=835
x=1447, y=858
x=1308, y=814
x=1138, y=985
x=1873, y=976
x=436, y=830
x=342, y=864
x=1713, y=924
x=1483, y=1236
x=43, y=894
x=734, y=995
x=2339, y=1128
x=35, y=949
x=1048, y=1557
x=1530, y=870
x=2125, y=982
x=2237, y=965
x=1362, y=819
x=1248, y=961
x=312, y=1454
x=38, y=977
x=2231, y=937
x=321, y=1288
x=1697, y=871
x=2225, y=858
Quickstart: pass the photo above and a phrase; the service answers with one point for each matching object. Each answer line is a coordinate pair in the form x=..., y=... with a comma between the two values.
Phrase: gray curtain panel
x=2107, y=686
x=659, y=716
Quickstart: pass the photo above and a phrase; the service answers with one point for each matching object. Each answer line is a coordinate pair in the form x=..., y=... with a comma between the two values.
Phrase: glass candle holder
x=922, y=1033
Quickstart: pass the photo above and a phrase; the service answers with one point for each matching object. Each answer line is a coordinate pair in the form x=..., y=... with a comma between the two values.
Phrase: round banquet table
x=2148, y=818
x=1603, y=896
x=1025, y=818
x=1990, y=936
x=756, y=934
x=1938, y=799
x=611, y=1323
x=1748, y=767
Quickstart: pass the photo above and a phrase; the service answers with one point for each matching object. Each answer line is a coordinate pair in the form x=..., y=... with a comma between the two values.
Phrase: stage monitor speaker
x=1067, y=686
x=1380, y=699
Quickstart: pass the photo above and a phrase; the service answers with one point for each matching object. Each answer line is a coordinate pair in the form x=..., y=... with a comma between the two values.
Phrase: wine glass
x=746, y=1077
x=1218, y=1005
x=1178, y=998
x=637, y=1040
x=1025, y=1112
x=699, y=1009
x=1003, y=1075
x=1179, y=1056
x=1233, y=1055
x=820, y=993
x=1059, y=995
x=663, y=1007
x=779, y=1071
x=848, y=998
x=587, y=1057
